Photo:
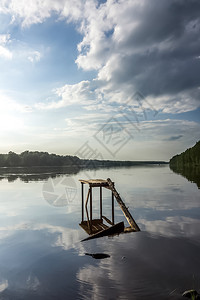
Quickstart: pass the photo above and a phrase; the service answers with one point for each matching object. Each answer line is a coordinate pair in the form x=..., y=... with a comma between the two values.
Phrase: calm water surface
x=41, y=256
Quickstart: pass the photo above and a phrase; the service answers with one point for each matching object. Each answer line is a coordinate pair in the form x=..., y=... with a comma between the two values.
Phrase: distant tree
x=3, y=159
x=13, y=159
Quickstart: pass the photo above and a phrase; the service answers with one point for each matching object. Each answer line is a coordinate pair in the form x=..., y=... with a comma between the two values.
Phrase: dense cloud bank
x=147, y=46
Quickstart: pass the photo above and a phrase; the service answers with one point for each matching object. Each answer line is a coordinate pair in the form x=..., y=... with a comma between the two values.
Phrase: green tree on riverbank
x=191, y=157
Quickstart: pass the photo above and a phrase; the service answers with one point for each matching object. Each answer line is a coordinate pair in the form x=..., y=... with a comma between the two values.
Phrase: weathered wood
x=88, y=195
x=82, y=190
x=97, y=226
x=107, y=220
x=124, y=209
x=115, y=229
x=95, y=182
x=86, y=202
x=91, y=207
x=101, y=202
x=113, y=204
x=90, y=181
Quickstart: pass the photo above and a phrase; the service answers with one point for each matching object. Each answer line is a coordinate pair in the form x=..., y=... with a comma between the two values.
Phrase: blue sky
x=100, y=79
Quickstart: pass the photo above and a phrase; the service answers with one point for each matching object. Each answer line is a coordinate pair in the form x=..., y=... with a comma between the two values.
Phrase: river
x=42, y=256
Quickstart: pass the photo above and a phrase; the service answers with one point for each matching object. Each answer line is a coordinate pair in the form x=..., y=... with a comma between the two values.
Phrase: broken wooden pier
x=96, y=227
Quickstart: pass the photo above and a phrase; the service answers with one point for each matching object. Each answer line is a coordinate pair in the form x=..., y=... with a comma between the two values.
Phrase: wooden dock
x=97, y=227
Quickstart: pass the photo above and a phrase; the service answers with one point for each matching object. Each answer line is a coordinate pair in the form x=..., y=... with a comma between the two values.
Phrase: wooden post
x=87, y=215
x=101, y=202
x=123, y=207
x=113, y=216
x=82, y=189
x=91, y=207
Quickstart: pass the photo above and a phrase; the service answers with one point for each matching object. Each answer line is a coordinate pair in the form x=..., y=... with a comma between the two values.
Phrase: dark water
x=41, y=256
x=192, y=173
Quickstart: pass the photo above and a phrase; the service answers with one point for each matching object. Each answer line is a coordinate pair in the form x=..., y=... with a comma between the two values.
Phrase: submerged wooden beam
x=123, y=207
x=107, y=220
x=115, y=229
x=97, y=225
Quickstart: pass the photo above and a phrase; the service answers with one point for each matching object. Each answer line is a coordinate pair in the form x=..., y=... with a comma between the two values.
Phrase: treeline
x=36, y=158
x=117, y=163
x=41, y=159
x=191, y=157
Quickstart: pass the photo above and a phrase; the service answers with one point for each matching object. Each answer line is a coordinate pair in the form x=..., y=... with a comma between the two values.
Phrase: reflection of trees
x=35, y=173
x=27, y=174
x=12, y=178
x=192, y=173
x=187, y=164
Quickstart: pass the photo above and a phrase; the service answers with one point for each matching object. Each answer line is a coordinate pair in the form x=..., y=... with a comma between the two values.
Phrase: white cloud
x=4, y=51
x=21, y=50
x=123, y=43
x=84, y=92
x=66, y=237
x=28, y=13
x=3, y=285
x=34, y=56
x=33, y=12
x=172, y=226
x=4, y=39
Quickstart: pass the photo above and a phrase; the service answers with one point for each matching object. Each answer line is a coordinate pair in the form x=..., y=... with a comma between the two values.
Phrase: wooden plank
x=97, y=221
x=82, y=192
x=99, y=184
x=103, y=226
x=83, y=181
x=100, y=202
x=100, y=227
x=94, y=181
x=86, y=228
x=113, y=216
x=91, y=206
x=107, y=220
x=123, y=207
x=86, y=202
x=94, y=222
x=115, y=229
x=97, y=226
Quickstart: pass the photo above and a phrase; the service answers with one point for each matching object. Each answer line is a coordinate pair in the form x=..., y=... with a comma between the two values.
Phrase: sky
x=115, y=79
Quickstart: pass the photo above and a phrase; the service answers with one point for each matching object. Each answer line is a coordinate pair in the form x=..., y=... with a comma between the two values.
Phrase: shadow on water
x=191, y=173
